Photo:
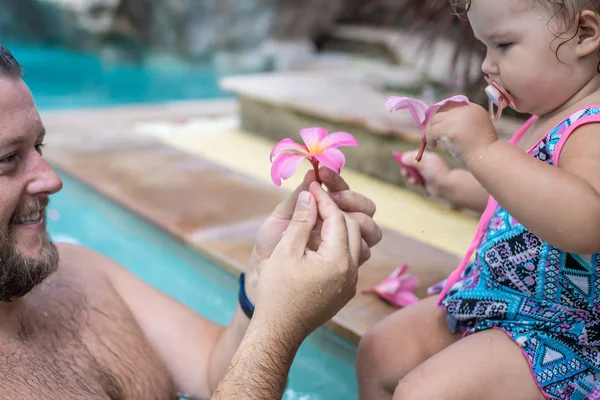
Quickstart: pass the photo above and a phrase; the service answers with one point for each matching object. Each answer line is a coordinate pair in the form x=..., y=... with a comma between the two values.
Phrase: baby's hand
x=432, y=168
x=465, y=130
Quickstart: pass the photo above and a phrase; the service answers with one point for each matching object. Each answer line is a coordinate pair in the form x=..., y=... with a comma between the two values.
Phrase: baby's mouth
x=499, y=97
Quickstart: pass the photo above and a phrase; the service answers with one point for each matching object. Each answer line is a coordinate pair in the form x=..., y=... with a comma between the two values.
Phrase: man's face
x=27, y=256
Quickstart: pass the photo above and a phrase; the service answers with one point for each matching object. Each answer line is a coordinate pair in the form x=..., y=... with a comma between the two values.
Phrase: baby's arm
x=464, y=191
x=456, y=186
x=559, y=205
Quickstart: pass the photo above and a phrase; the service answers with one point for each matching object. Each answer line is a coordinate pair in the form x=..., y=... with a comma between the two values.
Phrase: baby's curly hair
x=566, y=10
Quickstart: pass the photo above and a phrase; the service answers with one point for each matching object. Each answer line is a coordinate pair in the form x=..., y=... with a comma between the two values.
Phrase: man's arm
x=260, y=368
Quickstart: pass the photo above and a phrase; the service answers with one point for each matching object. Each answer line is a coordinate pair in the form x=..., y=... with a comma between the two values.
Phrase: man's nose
x=45, y=180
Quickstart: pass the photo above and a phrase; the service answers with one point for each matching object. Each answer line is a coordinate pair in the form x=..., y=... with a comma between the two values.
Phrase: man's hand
x=301, y=289
x=355, y=205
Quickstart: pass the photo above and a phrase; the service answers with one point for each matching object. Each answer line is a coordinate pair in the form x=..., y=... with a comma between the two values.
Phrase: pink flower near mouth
x=421, y=112
x=397, y=288
x=320, y=147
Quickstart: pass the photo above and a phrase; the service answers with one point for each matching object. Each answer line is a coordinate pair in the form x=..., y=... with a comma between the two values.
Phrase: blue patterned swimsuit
x=545, y=299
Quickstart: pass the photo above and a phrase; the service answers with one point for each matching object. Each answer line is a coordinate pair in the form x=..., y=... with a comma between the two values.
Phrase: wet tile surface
x=205, y=205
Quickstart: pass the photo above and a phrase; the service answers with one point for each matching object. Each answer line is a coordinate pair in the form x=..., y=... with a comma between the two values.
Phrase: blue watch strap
x=245, y=304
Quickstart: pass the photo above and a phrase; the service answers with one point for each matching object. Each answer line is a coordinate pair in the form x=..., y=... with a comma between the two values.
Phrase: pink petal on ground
x=434, y=108
x=417, y=108
x=400, y=270
x=337, y=139
x=313, y=136
x=284, y=167
x=332, y=158
x=287, y=144
x=408, y=282
x=389, y=286
x=404, y=299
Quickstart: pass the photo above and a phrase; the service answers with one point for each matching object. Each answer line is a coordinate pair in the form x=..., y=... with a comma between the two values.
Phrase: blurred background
x=156, y=44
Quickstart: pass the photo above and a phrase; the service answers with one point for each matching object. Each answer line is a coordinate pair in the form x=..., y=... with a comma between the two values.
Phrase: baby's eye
x=38, y=147
x=504, y=46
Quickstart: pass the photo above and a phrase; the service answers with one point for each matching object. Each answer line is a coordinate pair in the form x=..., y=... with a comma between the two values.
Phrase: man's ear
x=589, y=33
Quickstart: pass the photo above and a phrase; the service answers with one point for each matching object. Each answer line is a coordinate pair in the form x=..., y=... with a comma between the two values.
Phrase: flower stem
x=315, y=164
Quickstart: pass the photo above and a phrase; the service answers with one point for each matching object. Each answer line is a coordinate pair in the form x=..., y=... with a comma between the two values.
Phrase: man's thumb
x=296, y=236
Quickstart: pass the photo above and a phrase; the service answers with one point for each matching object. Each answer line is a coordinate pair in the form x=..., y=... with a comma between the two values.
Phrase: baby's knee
x=371, y=367
x=415, y=388
x=369, y=352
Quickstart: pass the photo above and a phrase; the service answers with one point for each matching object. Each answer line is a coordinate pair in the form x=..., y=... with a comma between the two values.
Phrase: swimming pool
x=60, y=78
x=324, y=366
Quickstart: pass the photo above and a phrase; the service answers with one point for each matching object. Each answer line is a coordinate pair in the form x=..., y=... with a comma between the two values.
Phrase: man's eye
x=9, y=159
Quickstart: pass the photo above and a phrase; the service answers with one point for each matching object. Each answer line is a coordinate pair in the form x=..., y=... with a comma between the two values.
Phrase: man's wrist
x=278, y=329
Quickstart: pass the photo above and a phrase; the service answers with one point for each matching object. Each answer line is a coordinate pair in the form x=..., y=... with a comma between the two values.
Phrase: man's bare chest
x=76, y=350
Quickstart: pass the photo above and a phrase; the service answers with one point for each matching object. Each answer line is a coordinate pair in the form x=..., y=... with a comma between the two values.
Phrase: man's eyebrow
x=18, y=140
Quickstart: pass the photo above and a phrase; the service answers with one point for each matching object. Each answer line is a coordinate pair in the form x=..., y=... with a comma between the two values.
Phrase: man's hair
x=9, y=66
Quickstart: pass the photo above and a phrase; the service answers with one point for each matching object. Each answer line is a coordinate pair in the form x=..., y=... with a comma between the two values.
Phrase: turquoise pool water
x=61, y=78
x=324, y=366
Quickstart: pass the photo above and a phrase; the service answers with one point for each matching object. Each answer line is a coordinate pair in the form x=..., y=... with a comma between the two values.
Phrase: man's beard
x=19, y=274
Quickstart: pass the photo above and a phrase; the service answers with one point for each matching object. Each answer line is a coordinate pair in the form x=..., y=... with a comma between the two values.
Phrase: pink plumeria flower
x=320, y=147
x=421, y=112
x=397, y=288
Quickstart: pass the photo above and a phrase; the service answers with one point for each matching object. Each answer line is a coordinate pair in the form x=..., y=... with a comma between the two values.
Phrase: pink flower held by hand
x=411, y=171
x=397, y=288
x=421, y=112
x=319, y=147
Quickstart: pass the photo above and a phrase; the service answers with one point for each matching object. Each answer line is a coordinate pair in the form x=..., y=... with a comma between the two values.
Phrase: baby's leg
x=397, y=344
x=486, y=365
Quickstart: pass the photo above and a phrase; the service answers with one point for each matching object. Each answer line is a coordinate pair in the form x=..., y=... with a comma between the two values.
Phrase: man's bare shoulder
x=78, y=259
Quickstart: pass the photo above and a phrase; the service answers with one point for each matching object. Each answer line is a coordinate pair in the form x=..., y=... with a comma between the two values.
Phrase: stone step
x=278, y=105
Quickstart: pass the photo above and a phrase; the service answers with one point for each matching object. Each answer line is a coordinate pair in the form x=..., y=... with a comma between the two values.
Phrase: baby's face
x=521, y=41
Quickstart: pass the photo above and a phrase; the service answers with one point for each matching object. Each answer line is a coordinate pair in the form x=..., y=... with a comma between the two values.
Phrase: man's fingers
x=354, y=239
x=351, y=202
x=286, y=208
x=365, y=253
x=369, y=230
x=296, y=236
x=334, y=233
x=333, y=181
